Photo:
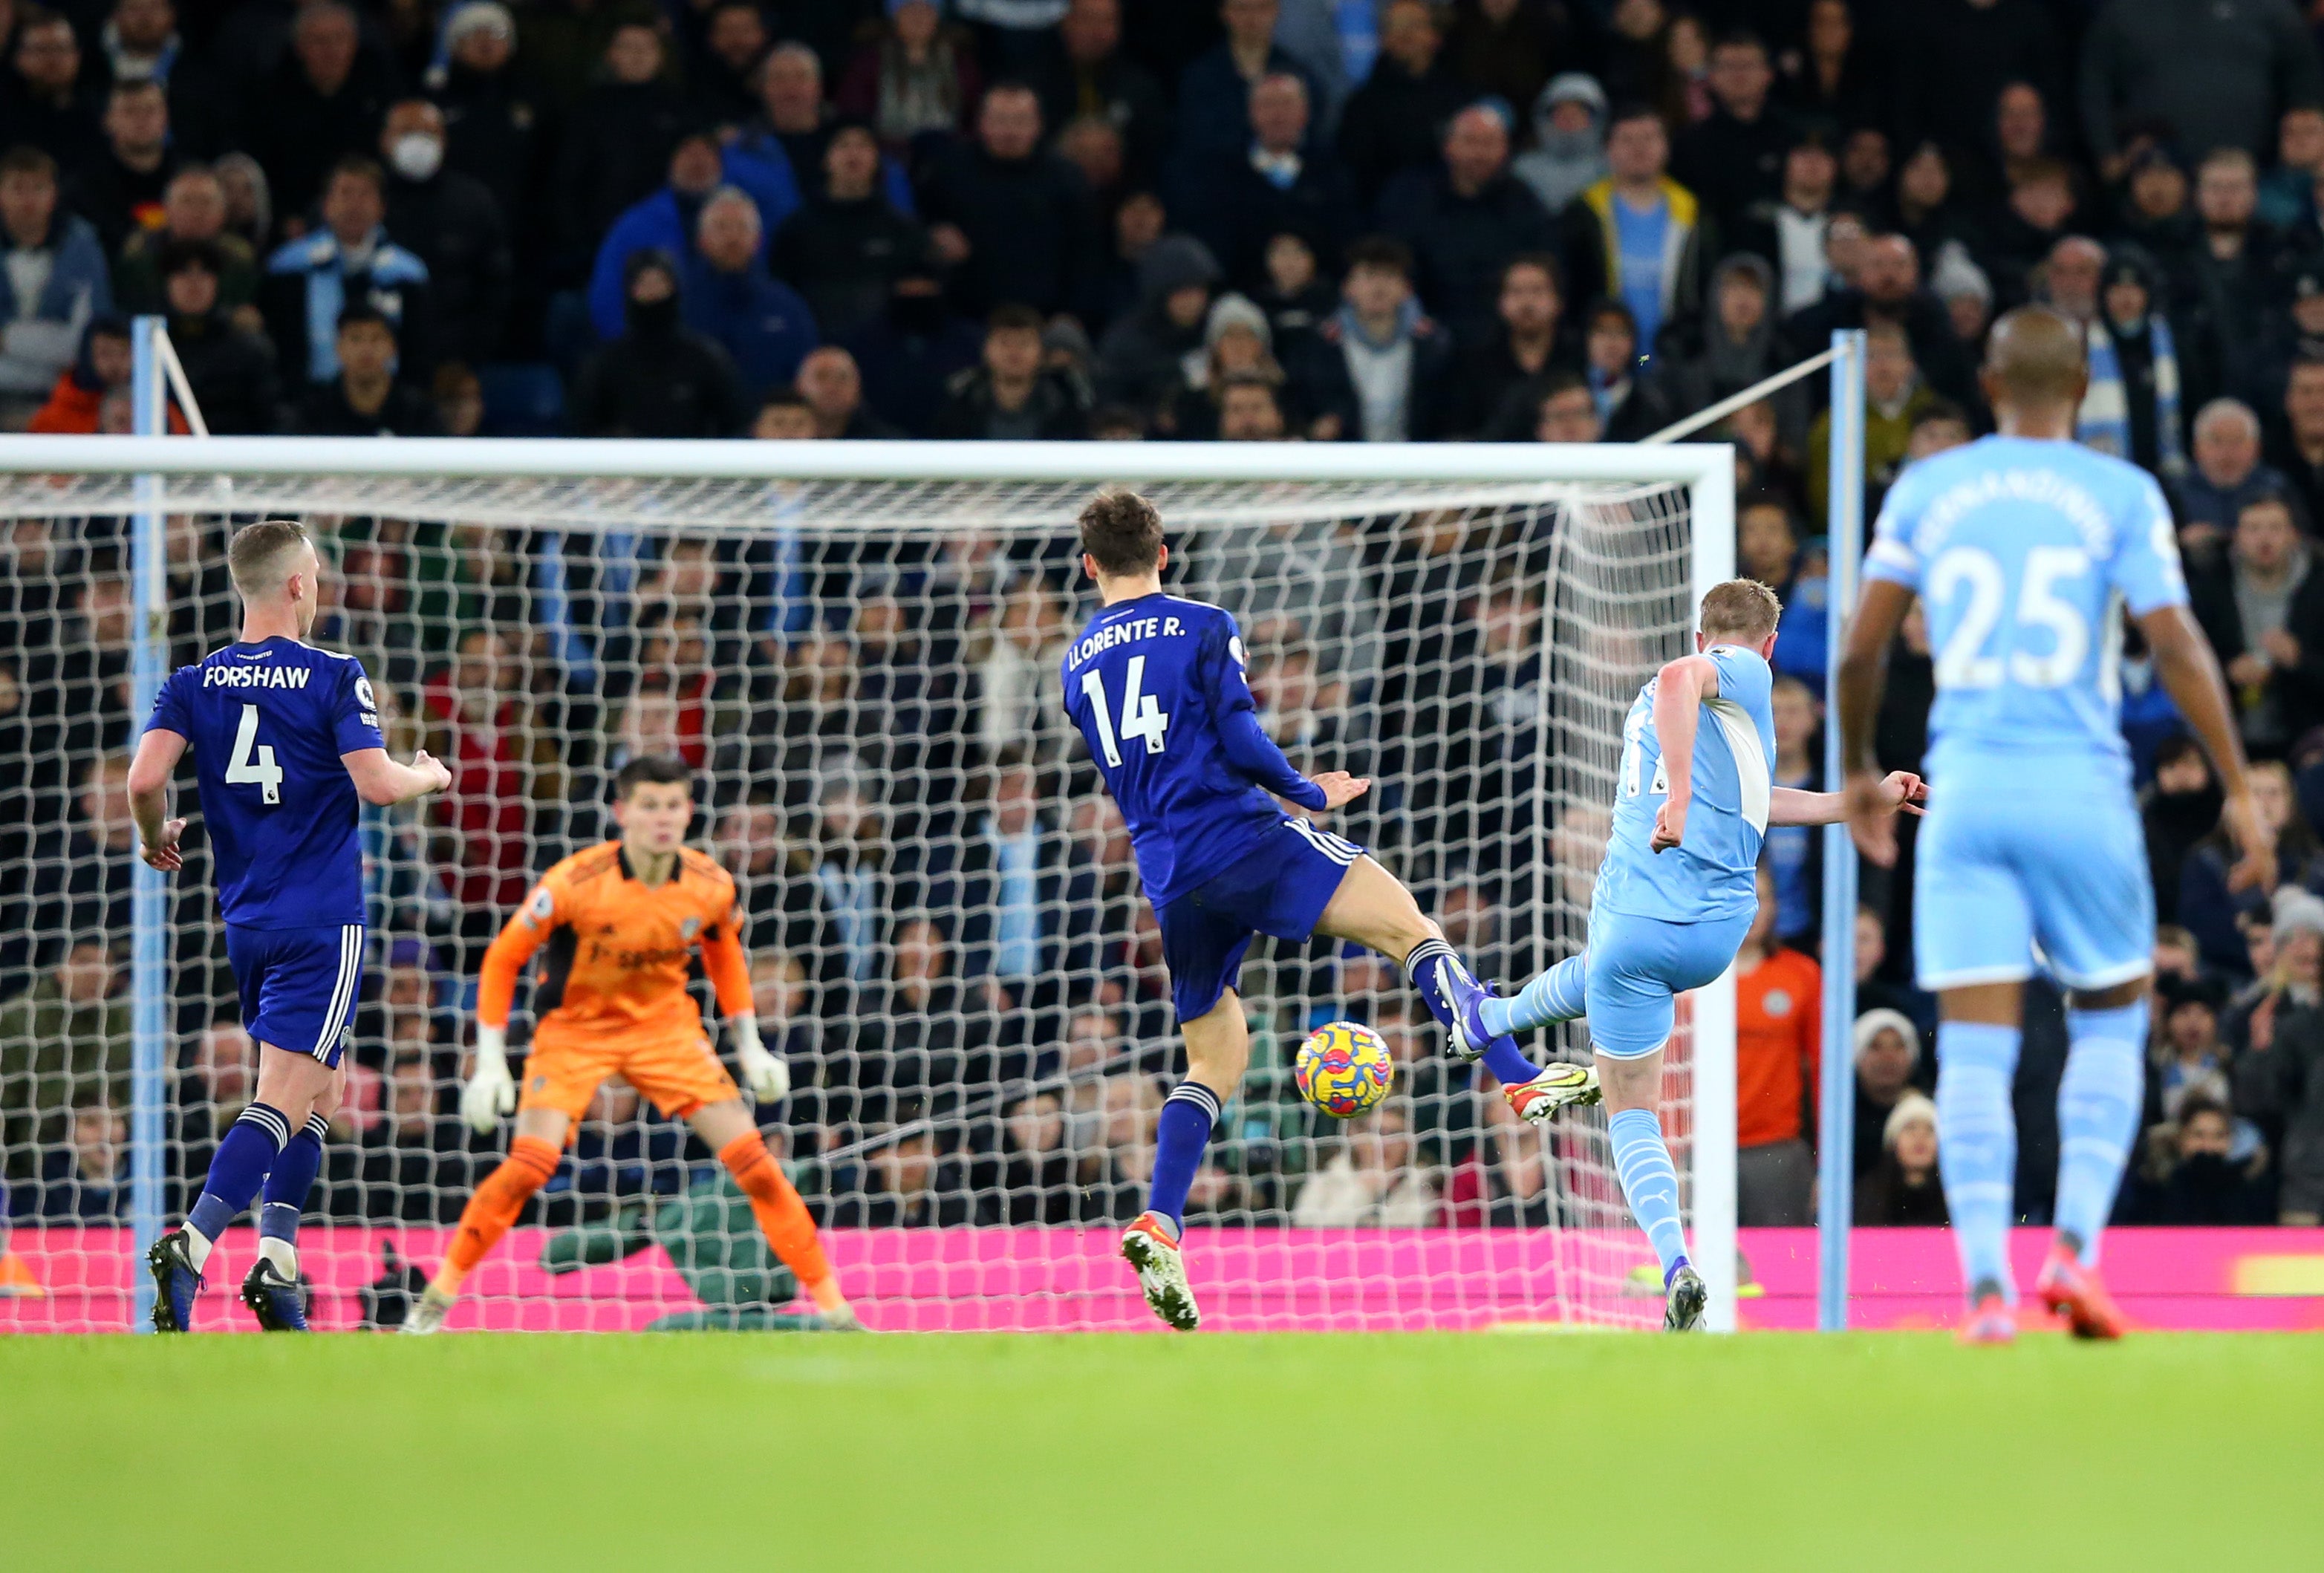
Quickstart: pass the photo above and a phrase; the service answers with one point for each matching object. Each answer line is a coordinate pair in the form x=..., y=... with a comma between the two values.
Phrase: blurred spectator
x=912, y=348
x=2132, y=408
x=1957, y=55
x=2299, y=453
x=2233, y=276
x=139, y=42
x=1779, y=1006
x=669, y=219
x=2218, y=79
x=1789, y=232
x=1902, y=1190
x=832, y=387
x=2263, y=609
x=1279, y=184
x=1727, y=346
x=1397, y=360
x=794, y=122
x=1088, y=74
x=723, y=73
x=2181, y=807
x=1888, y=1053
x=847, y=248
x=1636, y=235
x=2206, y=906
x=53, y=283
x=1142, y=356
x=230, y=369
x=63, y=1043
x=1371, y=1181
x=1508, y=48
x=1250, y=409
x=1012, y=217
x=620, y=142
x=1392, y=122
x=1735, y=159
x=1569, y=135
x=1011, y=396
x=493, y=132
x=470, y=714
x=906, y=1182
x=2195, y=1175
x=1894, y=398
x=1465, y=215
x=48, y=108
x=321, y=105
x=1214, y=116
x=118, y=189
x=1486, y=386
x=350, y=261
x=1563, y=410
x=365, y=397
x=1630, y=402
x=101, y=371
x=731, y=300
x=1788, y=850
x=454, y=225
x=86, y=1180
x=2287, y=195
x=916, y=79
x=660, y=378
x=2227, y=477
x=193, y=208
x=1890, y=291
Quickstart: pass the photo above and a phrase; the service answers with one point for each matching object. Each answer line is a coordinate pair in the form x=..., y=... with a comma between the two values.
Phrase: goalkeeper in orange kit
x=619, y=922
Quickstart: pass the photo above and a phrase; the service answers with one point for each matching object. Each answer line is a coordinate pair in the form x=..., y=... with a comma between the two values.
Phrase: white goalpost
x=855, y=644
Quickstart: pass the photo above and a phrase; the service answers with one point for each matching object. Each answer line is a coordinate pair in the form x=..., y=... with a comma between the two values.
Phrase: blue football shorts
x=2000, y=869
x=297, y=986
x=1636, y=967
x=1279, y=888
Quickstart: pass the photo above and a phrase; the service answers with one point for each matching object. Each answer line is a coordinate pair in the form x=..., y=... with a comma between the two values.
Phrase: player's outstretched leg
x=250, y=1148
x=531, y=1164
x=1373, y=908
x=2099, y=1103
x=782, y=1217
x=1218, y=1051
x=270, y=1288
x=1558, y=994
x=1977, y=1142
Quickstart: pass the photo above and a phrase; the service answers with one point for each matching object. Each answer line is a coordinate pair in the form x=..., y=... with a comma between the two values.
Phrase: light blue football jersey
x=2024, y=553
x=1712, y=874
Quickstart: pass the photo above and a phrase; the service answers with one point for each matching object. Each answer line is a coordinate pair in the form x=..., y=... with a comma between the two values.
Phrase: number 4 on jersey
x=254, y=760
x=1141, y=712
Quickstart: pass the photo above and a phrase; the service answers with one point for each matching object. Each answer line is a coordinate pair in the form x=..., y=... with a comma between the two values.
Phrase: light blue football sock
x=1977, y=1146
x=1649, y=1182
x=2099, y=1104
x=1554, y=996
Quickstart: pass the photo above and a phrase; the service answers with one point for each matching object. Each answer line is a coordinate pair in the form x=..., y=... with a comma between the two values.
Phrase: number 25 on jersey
x=1976, y=573
x=1141, y=712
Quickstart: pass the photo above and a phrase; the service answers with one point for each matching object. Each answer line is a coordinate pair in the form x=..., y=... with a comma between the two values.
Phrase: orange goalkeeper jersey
x=617, y=951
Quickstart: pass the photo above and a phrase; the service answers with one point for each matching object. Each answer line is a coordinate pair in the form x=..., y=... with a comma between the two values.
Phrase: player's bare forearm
x=1789, y=805
x=383, y=783
x=158, y=753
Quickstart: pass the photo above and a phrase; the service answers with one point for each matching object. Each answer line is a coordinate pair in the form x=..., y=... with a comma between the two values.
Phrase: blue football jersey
x=267, y=722
x=1713, y=872
x=2024, y=553
x=1158, y=689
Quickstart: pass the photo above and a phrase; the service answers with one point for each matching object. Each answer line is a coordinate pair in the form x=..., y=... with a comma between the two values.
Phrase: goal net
x=857, y=646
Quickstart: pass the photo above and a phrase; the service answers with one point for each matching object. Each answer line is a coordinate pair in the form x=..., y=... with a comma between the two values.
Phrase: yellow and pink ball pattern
x=1343, y=1069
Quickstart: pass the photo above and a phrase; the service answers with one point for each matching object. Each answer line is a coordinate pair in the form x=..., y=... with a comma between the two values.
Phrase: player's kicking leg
x=296, y=1093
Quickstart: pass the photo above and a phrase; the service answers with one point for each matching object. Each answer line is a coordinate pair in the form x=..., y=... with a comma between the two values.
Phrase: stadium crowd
x=1321, y=220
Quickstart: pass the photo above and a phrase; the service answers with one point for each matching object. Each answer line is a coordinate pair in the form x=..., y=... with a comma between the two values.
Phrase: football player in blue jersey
x=1156, y=683
x=286, y=740
x=1674, y=897
x=2026, y=549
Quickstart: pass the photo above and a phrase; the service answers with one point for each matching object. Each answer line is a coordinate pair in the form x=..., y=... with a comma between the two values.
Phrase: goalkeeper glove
x=765, y=1074
x=490, y=1090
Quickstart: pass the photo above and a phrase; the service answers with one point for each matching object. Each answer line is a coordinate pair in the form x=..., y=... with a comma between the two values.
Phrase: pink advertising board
x=71, y=1278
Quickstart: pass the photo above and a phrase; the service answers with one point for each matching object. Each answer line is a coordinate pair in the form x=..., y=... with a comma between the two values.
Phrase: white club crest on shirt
x=688, y=926
x=1778, y=1002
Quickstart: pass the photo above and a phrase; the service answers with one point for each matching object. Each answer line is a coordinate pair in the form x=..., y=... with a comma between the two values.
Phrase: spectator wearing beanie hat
x=1904, y=1189
x=1888, y=1053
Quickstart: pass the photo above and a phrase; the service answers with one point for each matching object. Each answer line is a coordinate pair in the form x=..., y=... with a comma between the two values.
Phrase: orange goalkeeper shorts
x=678, y=1075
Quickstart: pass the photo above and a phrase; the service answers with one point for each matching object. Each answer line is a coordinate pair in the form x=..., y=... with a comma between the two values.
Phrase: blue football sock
x=1180, y=1135
x=1554, y=996
x=285, y=1195
x=248, y=1150
x=1438, y=973
x=1649, y=1182
x=2097, y=1117
x=1977, y=1146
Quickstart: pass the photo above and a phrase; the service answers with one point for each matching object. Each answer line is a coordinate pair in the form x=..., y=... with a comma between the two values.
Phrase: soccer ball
x=1343, y=1069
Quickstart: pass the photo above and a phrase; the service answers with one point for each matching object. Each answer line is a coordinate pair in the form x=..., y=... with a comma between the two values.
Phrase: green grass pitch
x=1400, y=1451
